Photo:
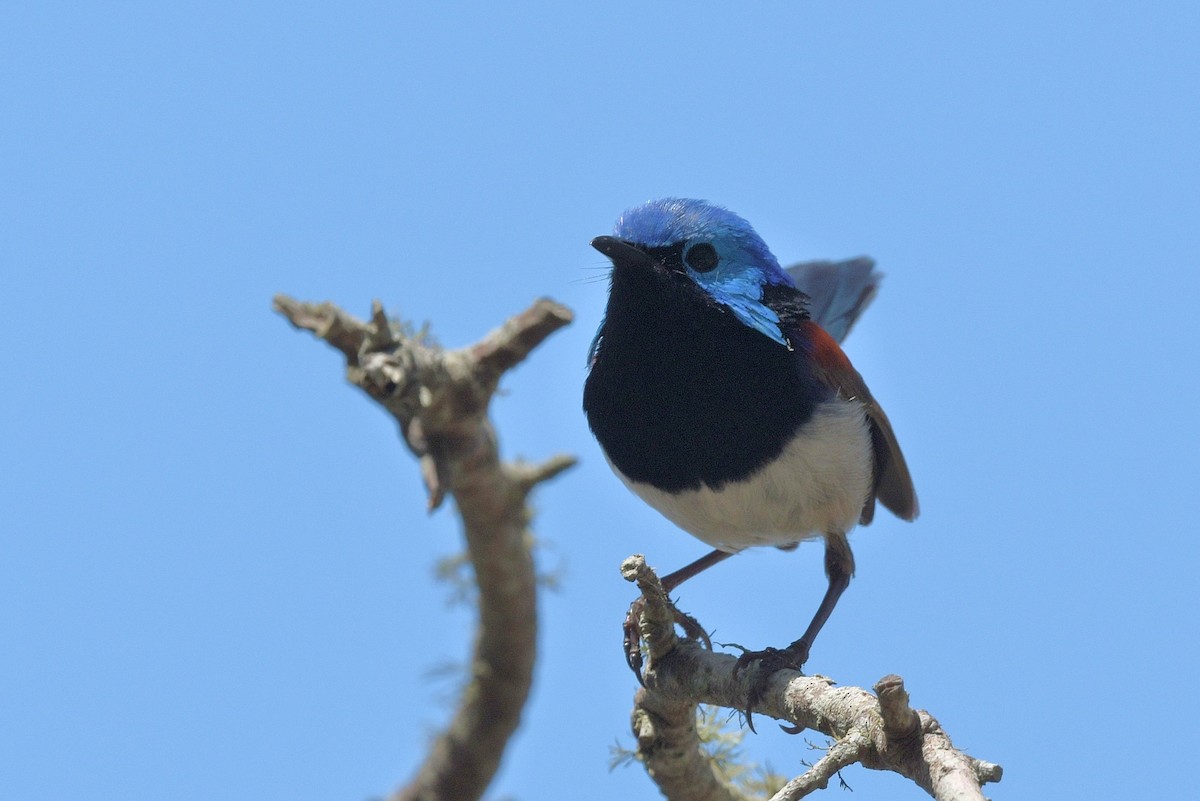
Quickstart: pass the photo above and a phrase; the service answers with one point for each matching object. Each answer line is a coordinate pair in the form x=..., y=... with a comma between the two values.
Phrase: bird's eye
x=702, y=257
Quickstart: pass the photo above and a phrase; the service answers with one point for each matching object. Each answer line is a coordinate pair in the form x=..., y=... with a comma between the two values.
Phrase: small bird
x=719, y=394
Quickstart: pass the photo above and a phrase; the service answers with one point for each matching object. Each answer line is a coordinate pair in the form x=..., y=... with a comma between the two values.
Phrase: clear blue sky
x=216, y=574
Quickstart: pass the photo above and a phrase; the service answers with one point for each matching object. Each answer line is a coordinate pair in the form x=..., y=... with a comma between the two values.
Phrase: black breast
x=681, y=393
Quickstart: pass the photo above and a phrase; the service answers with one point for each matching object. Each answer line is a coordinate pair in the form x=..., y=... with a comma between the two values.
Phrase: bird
x=719, y=394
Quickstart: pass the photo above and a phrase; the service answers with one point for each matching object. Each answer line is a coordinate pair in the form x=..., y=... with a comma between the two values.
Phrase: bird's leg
x=673, y=580
x=691, y=628
x=839, y=568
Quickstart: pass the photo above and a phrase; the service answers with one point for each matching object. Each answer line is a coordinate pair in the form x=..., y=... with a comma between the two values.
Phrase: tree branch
x=440, y=400
x=879, y=731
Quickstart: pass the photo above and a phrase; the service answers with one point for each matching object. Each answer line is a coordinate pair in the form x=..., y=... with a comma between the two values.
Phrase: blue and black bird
x=720, y=396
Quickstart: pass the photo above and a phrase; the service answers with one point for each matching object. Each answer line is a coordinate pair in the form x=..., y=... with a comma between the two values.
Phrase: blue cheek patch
x=742, y=292
x=763, y=320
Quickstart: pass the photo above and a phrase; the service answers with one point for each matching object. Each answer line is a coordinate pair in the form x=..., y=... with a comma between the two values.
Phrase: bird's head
x=708, y=245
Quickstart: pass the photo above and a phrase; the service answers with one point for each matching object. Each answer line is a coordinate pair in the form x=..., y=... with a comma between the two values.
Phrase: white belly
x=817, y=486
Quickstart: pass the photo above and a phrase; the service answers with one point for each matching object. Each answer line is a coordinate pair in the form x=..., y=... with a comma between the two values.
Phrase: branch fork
x=440, y=400
x=880, y=731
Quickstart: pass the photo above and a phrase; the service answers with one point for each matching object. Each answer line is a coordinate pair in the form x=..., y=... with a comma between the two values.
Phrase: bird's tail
x=838, y=291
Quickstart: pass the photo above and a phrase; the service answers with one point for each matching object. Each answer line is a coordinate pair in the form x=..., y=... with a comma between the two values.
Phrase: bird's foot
x=768, y=662
x=633, y=639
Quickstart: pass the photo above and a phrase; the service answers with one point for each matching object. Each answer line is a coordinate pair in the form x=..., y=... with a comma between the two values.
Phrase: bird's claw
x=692, y=628
x=633, y=640
x=769, y=662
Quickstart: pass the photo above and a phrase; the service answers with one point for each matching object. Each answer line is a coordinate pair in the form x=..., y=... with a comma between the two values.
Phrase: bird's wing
x=838, y=291
x=893, y=484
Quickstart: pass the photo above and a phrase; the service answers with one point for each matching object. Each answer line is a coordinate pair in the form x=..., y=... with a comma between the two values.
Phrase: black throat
x=683, y=394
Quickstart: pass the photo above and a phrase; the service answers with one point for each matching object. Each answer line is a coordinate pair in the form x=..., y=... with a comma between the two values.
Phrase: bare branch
x=845, y=752
x=657, y=621
x=669, y=746
x=882, y=731
x=900, y=722
x=508, y=345
x=344, y=331
x=527, y=476
x=440, y=400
